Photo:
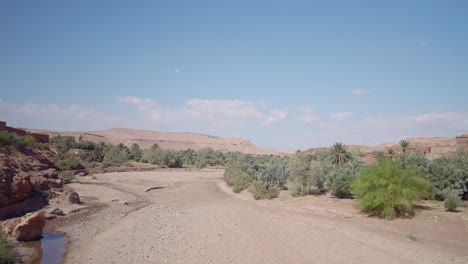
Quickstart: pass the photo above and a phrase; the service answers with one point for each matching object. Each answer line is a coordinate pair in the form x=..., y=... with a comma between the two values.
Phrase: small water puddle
x=51, y=248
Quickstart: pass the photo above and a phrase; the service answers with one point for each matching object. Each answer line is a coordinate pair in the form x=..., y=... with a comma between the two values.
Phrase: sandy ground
x=195, y=218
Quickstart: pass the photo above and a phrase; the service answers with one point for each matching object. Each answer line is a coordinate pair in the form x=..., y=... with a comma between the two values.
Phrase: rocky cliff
x=25, y=174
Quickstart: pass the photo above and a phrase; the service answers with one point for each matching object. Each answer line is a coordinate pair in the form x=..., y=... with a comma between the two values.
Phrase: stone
x=26, y=228
x=74, y=198
x=50, y=216
x=68, y=197
x=56, y=211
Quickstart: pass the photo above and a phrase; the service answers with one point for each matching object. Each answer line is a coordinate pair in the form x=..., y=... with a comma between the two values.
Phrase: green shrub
x=239, y=174
x=208, y=156
x=44, y=194
x=116, y=155
x=340, y=177
x=8, y=139
x=449, y=173
x=388, y=190
x=261, y=190
x=29, y=141
x=171, y=158
x=164, y=157
x=452, y=200
x=241, y=182
x=135, y=152
x=301, y=178
x=64, y=143
x=312, y=179
x=67, y=162
x=188, y=156
x=274, y=173
x=7, y=255
x=67, y=175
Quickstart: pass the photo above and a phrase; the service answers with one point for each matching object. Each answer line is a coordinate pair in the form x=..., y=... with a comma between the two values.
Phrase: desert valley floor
x=193, y=217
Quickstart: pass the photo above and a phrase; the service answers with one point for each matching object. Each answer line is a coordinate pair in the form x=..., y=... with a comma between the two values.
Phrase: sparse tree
x=391, y=153
x=404, y=144
x=379, y=155
x=339, y=154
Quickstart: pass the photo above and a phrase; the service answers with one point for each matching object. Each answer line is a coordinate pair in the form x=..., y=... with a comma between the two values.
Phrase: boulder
x=20, y=188
x=56, y=211
x=73, y=198
x=68, y=197
x=26, y=228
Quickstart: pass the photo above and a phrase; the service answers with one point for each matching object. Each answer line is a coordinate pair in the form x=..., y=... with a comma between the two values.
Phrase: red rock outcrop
x=26, y=228
x=22, y=173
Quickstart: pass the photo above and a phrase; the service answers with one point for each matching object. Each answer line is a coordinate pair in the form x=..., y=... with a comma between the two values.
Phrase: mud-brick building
x=462, y=141
x=39, y=137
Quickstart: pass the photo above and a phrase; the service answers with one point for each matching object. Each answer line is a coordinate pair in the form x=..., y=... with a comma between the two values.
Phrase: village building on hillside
x=39, y=137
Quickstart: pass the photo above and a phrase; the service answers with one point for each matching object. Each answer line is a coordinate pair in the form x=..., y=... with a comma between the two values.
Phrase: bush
x=188, y=156
x=299, y=168
x=164, y=157
x=7, y=255
x=208, y=156
x=313, y=178
x=388, y=190
x=67, y=175
x=29, y=141
x=261, y=190
x=449, y=173
x=67, y=162
x=274, y=173
x=340, y=177
x=8, y=139
x=116, y=155
x=452, y=200
x=64, y=143
x=171, y=158
x=242, y=182
x=135, y=152
x=239, y=174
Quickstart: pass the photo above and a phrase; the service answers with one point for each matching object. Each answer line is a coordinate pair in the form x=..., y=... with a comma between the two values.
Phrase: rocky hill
x=430, y=147
x=24, y=174
x=168, y=140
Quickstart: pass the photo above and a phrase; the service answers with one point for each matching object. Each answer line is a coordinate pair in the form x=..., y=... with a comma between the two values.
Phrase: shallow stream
x=51, y=248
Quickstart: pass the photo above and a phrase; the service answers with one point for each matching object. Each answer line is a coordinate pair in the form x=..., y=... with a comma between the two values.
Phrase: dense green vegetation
x=7, y=255
x=12, y=140
x=339, y=171
x=452, y=200
x=102, y=154
x=387, y=188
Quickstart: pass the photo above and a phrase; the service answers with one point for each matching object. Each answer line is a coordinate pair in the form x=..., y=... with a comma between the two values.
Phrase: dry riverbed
x=192, y=217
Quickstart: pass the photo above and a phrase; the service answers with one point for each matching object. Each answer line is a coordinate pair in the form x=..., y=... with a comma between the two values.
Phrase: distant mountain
x=433, y=147
x=168, y=140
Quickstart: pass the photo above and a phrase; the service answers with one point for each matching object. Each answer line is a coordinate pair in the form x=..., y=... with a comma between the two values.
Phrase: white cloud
x=54, y=116
x=309, y=116
x=275, y=116
x=177, y=71
x=212, y=112
x=141, y=103
x=341, y=116
x=381, y=129
x=326, y=125
x=360, y=91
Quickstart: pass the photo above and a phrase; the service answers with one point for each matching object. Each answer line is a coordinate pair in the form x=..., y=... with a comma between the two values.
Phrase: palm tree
x=339, y=154
x=404, y=144
x=379, y=155
x=391, y=153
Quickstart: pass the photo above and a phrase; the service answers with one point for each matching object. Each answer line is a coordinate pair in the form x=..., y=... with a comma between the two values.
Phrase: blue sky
x=284, y=74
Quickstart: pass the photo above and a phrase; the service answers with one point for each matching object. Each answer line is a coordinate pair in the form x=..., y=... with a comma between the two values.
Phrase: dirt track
x=196, y=219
